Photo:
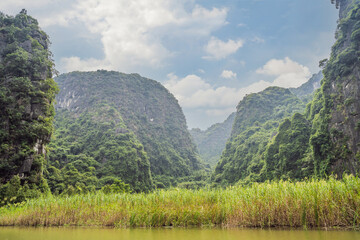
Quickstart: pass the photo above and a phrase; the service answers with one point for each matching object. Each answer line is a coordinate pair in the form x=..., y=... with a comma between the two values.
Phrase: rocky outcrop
x=342, y=90
x=27, y=94
x=147, y=110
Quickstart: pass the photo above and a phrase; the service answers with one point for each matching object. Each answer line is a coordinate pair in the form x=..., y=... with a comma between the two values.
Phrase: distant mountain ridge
x=211, y=142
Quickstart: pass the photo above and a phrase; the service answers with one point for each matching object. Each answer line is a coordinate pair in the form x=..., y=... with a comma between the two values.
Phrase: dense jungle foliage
x=27, y=93
x=95, y=149
x=257, y=120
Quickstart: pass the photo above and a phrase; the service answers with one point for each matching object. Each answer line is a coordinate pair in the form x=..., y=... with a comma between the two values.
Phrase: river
x=15, y=233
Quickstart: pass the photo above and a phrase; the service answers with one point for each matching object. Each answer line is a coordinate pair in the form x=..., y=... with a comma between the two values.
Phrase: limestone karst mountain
x=136, y=126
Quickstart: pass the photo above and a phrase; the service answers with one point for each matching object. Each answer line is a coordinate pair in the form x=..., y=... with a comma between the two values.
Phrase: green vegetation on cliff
x=256, y=123
x=335, y=110
x=284, y=155
x=27, y=94
x=121, y=125
x=95, y=149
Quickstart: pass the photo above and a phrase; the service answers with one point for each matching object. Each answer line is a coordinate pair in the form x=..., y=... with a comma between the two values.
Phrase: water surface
x=10, y=233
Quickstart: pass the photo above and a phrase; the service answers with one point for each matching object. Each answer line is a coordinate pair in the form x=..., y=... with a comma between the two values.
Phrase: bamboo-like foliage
x=311, y=203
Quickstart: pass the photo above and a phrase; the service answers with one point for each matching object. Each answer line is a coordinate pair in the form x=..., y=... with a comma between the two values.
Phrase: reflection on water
x=8, y=233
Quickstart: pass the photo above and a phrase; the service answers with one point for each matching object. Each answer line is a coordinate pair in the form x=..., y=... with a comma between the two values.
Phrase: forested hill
x=211, y=142
x=127, y=124
x=322, y=140
x=256, y=122
x=27, y=93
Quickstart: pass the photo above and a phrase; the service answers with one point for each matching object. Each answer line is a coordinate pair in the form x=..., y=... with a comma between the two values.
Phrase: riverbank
x=313, y=203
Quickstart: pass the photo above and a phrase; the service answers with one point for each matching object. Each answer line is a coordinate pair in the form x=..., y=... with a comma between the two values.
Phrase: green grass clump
x=311, y=203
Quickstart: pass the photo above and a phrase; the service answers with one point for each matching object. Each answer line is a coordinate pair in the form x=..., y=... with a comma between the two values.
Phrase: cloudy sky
x=208, y=53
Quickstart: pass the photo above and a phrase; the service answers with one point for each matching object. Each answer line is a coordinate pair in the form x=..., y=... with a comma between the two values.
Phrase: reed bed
x=312, y=203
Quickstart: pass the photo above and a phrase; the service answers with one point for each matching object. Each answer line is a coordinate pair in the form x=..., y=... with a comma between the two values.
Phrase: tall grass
x=312, y=203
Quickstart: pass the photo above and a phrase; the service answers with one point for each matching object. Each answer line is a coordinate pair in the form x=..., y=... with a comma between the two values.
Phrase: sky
x=208, y=53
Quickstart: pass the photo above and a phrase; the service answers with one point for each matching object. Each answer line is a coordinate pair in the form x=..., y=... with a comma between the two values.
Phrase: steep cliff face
x=341, y=93
x=211, y=142
x=27, y=94
x=147, y=110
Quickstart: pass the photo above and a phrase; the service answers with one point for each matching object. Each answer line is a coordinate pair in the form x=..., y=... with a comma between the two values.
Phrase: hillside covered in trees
x=257, y=119
x=322, y=140
x=211, y=142
x=119, y=126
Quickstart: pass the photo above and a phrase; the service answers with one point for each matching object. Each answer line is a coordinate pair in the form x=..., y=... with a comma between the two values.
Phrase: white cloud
x=279, y=66
x=217, y=49
x=194, y=92
x=287, y=72
x=228, y=74
x=132, y=32
x=187, y=86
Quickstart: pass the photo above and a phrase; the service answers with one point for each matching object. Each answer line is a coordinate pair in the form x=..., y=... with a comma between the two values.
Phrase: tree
x=322, y=63
x=336, y=2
